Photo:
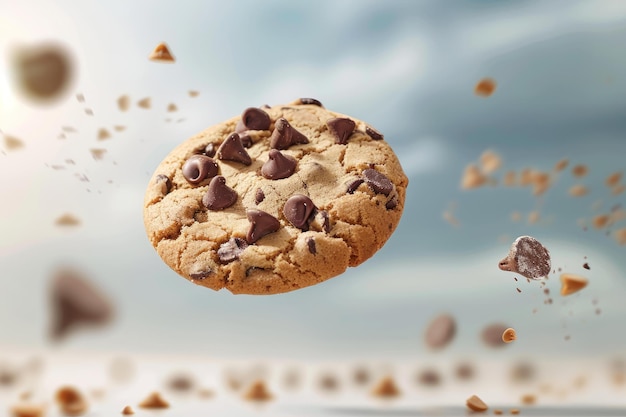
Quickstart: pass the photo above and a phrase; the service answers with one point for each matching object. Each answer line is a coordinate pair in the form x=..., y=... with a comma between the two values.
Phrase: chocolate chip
x=278, y=166
x=354, y=185
x=253, y=118
x=229, y=251
x=284, y=135
x=164, y=182
x=341, y=128
x=373, y=133
x=232, y=150
x=199, y=168
x=201, y=275
x=298, y=210
x=586, y=266
x=311, y=244
x=378, y=182
x=259, y=196
x=246, y=140
x=391, y=204
x=219, y=196
x=261, y=224
x=311, y=101
x=210, y=150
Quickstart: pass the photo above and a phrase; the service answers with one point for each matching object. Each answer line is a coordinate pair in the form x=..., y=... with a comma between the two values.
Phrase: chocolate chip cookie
x=276, y=199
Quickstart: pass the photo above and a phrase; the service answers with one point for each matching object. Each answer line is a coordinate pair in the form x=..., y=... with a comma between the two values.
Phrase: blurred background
x=532, y=155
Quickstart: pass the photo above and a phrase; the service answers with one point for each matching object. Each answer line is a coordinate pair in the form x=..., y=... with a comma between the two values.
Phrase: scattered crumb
x=67, y=219
x=497, y=411
x=57, y=167
x=541, y=183
x=516, y=216
x=145, y=103
x=153, y=401
x=518, y=290
x=61, y=136
x=80, y=97
x=103, y=134
x=28, y=410
x=88, y=112
x=97, y=153
x=448, y=216
x=119, y=128
x=580, y=170
x=128, y=410
x=98, y=393
x=386, y=388
x=25, y=396
x=528, y=399
x=71, y=401
x=181, y=382
x=571, y=283
x=491, y=335
x=533, y=217
x=490, y=162
x=472, y=178
x=161, y=53
x=510, y=179
x=586, y=265
x=620, y=236
x=561, y=165
x=429, y=378
x=601, y=221
x=509, y=335
x=613, y=179
x=617, y=190
x=205, y=393
x=123, y=103
x=257, y=392
x=12, y=143
x=464, y=371
x=485, y=87
x=476, y=404
x=328, y=382
x=514, y=411
x=68, y=129
x=578, y=190
x=172, y=107
x=70, y=162
x=193, y=93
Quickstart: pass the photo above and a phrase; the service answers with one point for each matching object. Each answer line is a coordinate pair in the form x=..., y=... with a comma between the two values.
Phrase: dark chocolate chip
x=311, y=244
x=586, y=266
x=298, y=210
x=378, y=182
x=219, y=196
x=284, y=135
x=165, y=183
x=261, y=224
x=265, y=106
x=391, y=204
x=278, y=165
x=341, y=128
x=232, y=150
x=210, y=150
x=354, y=185
x=253, y=118
x=199, y=168
x=373, y=133
x=259, y=196
x=229, y=251
x=308, y=100
x=326, y=223
x=246, y=140
x=201, y=275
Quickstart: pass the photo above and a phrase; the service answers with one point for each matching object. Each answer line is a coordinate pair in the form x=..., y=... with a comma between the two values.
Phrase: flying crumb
x=490, y=162
x=97, y=153
x=472, y=178
x=578, y=190
x=613, y=179
x=618, y=189
x=123, y=103
x=509, y=335
x=68, y=129
x=533, y=217
x=449, y=217
x=80, y=97
x=154, y=401
x=12, y=143
x=128, y=410
x=561, y=165
x=580, y=170
x=516, y=216
x=205, y=393
x=103, y=134
x=119, y=128
x=28, y=410
x=193, y=93
x=476, y=404
x=601, y=221
x=71, y=401
x=586, y=266
x=386, y=388
x=172, y=107
x=89, y=112
x=161, y=53
x=257, y=391
x=528, y=399
x=485, y=87
x=571, y=283
x=145, y=103
x=67, y=219
x=620, y=236
x=510, y=179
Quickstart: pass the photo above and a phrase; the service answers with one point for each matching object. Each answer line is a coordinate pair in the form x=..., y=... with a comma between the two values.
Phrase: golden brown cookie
x=277, y=199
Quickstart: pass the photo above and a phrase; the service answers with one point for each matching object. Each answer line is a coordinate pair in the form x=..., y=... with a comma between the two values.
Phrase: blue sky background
x=409, y=69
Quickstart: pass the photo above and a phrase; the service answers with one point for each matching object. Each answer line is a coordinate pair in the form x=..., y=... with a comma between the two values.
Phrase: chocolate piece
x=229, y=251
x=586, y=266
x=165, y=183
x=391, y=204
x=341, y=128
x=298, y=210
x=201, y=275
x=261, y=224
x=232, y=150
x=373, y=133
x=284, y=135
x=354, y=185
x=210, y=150
x=219, y=196
x=278, y=165
x=259, y=196
x=246, y=140
x=528, y=257
x=440, y=332
x=199, y=168
x=313, y=101
x=253, y=118
x=378, y=182
x=311, y=244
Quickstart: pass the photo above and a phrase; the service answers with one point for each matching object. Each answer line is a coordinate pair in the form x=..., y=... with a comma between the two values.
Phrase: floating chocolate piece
x=527, y=257
x=199, y=168
x=298, y=210
x=373, y=133
x=253, y=118
x=232, y=150
x=259, y=196
x=219, y=196
x=354, y=185
x=310, y=242
x=341, y=128
x=313, y=101
x=378, y=182
x=278, y=166
x=229, y=251
x=440, y=331
x=164, y=182
x=201, y=275
x=262, y=224
x=210, y=150
x=284, y=135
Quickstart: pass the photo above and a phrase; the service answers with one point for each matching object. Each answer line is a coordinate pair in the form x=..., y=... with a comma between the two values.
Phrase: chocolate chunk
x=253, y=118
x=586, y=266
x=373, y=133
x=261, y=224
x=219, y=196
x=229, y=251
x=201, y=275
x=298, y=210
x=210, y=150
x=278, y=166
x=341, y=128
x=246, y=140
x=164, y=182
x=311, y=101
x=232, y=150
x=284, y=135
x=378, y=182
x=391, y=204
x=354, y=185
x=311, y=244
x=259, y=196
x=199, y=168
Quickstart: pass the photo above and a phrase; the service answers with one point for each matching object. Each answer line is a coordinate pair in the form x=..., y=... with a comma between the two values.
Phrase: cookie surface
x=276, y=199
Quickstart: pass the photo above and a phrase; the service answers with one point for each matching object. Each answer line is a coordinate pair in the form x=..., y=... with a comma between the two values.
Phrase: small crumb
x=386, y=388
x=598, y=311
x=510, y=179
x=205, y=393
x=154, y=401
x=578, y=190
x=67, y=219
x=145, y=103
x=613, y=179
x=429, y=378
x=61, y=136
x=172, y=107
x=490, y=162
x=528, y=399
x=601, y=221
x=620, y=236
x=80, y=97
x=586, y=265
x=128, y=410
x=123, y=103
x=103, y=134
x=257, y=392
x=567, y=337
x=71, y=401
x=119, y=128
x=561, y=165
x=580, y=170
x=448, y=216
x=571, y=283
x=98, y=393
x=485, y=87
x=88, y=112
x=12, y=143
x=497, y=411
x=28, y=410
x=476, y=404
x=472, y=178
x=514, y=411
x=97, y=153
x=518, y=290
x=25, y=396
x=68, y=129
x=509, y=335
x=516, y=216
x=617, y=190
x=193, y=93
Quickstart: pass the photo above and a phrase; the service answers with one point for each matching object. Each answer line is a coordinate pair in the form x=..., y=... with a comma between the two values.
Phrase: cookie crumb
x=97, y=153
x=578, y=190
x=571, y=283
x=206, y=393
x=67, y=219
x=509, y=335
x=154, y=401
x=429, y=377
x=193, y=93
x=485, y=87
x=257, y=392
x=12, y=143
x=172, y=107
x=71, y=401
x=103, y=134
x=28, y=410
x=514, y=411
x=490, y=162
x=586, y=265
x=386, y=388
x=497, y=412
x=123, y=103
x=161, y=53
x=145, y=103
x=472, y=178
x=476, y=404
x=528, y=399
x=492, y=334
x=128, y=410
x=580, y=170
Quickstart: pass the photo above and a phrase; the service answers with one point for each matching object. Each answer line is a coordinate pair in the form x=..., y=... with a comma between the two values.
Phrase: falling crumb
x=516, y=216
x=98, y=393
x=80, y=97
x=128, y=410
x=257, y=392
x=485, y=87
x=67, y=219
x=571, y=283
x=598, y=311
x=601, y=221
x=586, y=266
x=580, y=170
x=81, y=177
x=476, y=404
x=620, y=236
x=567, y=337
x=172, y=107
x=154, y=401
x=533, y=217
x=89, y=112
x=518, y=290
x=613, y=179
x=386, y=388
x=193, y=93
x=490, y=162
x=145, y=103
x=123, y=103
x=514, y=411
x=97, y=153
x=578, y=190
x=429, y=377
x=509, y=335
x=25, y=396
x=528, y=399
x=61, y=136
x=57, y=167
x=12, y=143
x=161, y=53
x=472, y=178
x=541, y=183
x=103, y=134
x=119, y=128
x=448, y=216
x=71, y=401
x=561, y=165
x=180, y=120
x=497, y=411
x=68, y=129
x=28, y=410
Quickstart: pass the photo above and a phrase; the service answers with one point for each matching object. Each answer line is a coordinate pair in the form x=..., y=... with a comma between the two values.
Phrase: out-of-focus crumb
x=386, y=388
x=68, y=129
x=25, y=395
x=449, y=217
x=161, y=53
x=509, y=335
x=472, y=178
x=119, y=128
x=580, y=382
x=528, y=399
x=492, y=334
x=128, y=410
x=620, y=236
x=476, y=404
x=490, y=162
x=618, y=189
x=206, y=393
x=429, y=378
x=361, y=375
x=561, y=165
x=154, y=401
x=257, y=391
x=514, y=411
x=233, y=379
x=172, y=107
x=440, y=331
x=328, y=382
x=571, y=283
x=121, y=370
x=123, y=103
x=97, y=153
x=28, y=410
x=497, y=412
x=464, y=371
x=145, y=103
x=617, y=215
x=485, y=87
x=601, y=221
x=586, y=265
x=597, y=205
x=98, y=393
x=292, y=378
x=580, y=170
x=578, y=190
x=510, y=179
x=193, y=93
x=613, y=179
x=89, y=111
x=181, y=382
x=12, y=143
x=516, y=216
x=541, y=183
x=103, y=134
x=533, y=217
x=80, y=97
x=526, y=177
x=67, y=219
x=71, y=401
